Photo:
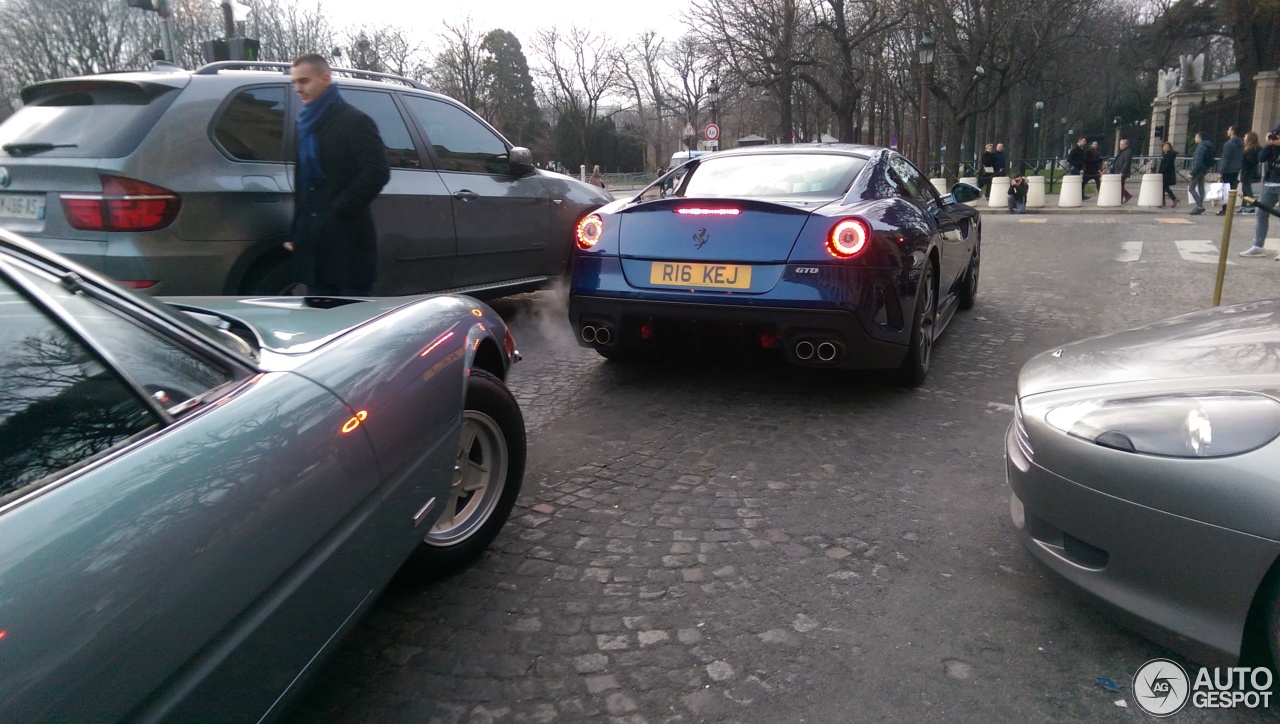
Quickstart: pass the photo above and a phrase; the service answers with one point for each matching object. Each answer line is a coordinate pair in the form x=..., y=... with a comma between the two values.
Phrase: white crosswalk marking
x=1131, y=252
x=1199, y=250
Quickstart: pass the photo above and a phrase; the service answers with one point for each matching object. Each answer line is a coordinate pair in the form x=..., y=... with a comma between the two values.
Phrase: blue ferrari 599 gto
x=834, y=255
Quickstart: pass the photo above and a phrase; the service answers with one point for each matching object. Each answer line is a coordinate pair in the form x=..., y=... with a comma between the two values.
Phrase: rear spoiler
x=131, y=90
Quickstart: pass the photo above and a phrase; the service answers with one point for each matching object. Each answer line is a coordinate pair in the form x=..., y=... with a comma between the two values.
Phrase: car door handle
x=466, y=195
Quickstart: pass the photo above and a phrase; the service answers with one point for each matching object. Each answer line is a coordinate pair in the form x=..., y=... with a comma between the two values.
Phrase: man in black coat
x=342, y=167
x=1123, y=165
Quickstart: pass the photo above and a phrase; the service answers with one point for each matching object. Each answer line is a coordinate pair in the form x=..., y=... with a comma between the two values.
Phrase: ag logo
x=1161, y=687
x=700, y=238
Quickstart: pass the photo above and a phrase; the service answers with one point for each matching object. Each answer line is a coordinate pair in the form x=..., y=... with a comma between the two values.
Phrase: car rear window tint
x=251, y=126
x=401, y=152
x=774, y=175
x=85, y=119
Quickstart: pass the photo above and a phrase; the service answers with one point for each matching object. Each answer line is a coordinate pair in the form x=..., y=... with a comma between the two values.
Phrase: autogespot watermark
x=1162, y=688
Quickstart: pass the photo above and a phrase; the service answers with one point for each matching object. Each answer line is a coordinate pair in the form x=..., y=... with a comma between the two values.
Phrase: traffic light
x=242, y=48
x=215, y=50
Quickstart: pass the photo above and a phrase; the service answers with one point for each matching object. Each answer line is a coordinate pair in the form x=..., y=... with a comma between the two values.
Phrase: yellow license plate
x=714, y=276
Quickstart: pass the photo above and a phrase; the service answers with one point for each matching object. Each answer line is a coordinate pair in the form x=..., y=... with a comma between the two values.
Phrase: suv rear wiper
x=27, y=149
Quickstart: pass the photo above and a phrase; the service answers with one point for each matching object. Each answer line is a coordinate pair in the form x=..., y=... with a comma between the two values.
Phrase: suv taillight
x=125, y=204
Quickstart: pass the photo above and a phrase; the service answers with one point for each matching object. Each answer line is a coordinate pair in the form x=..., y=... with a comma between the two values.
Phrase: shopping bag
x=1216, y=192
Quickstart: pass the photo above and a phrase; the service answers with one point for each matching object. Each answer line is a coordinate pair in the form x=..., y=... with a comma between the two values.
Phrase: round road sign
x=712, y=132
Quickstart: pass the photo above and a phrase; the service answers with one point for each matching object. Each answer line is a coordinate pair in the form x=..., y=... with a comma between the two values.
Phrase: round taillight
x=848, y=238
x=589, y=231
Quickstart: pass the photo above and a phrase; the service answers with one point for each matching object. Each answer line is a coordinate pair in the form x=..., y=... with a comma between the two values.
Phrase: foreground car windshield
x=773, y=175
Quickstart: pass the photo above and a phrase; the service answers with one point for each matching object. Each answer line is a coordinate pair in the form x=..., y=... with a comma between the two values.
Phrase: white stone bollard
x=1152, y=191
x=999, y=198
x=1109, y=194
x=971, y=180
x=941, y=185
x=1035, y=192
x=582, y=173
x=1072, y=191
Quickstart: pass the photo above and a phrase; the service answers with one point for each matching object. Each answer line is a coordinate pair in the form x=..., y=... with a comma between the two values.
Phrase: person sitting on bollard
x=1169, y=172
x=1249, y=170
x=1201, y=164
x=987, y=169
x=1092, y=170
x=1269, y=157
x=1018, y=195
x=1122, y=164
x=1231, y=162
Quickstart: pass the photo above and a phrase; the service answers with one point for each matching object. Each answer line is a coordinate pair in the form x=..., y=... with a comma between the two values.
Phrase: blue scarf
x=309, y=171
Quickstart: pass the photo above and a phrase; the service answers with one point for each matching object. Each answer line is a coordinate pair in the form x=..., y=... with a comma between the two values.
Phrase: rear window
x=83, y=119
x=774, y=175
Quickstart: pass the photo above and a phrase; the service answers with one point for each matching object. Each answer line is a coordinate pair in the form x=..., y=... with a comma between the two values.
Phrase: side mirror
x=964, y=193
x=521, y=161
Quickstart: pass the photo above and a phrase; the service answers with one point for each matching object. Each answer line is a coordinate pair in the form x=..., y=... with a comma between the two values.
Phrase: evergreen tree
x=510, y=105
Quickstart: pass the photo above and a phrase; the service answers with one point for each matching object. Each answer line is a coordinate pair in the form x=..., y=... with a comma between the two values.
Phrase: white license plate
x=22, y=206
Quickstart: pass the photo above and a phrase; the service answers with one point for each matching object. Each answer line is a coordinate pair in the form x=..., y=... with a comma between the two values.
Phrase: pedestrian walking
x=1269, y=157
x=342, y=167
x=1092, y=170
x=1018, y=195
x=596, y=178
x=1075, y=157
x=1168, y=172
x=1231, y=162
x=1123, y=165
x=1201, y=164
x=987, y=169
x=1249, y=170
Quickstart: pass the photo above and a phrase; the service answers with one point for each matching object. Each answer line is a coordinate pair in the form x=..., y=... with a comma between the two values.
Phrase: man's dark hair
x=1082, y=138
x=315, y=60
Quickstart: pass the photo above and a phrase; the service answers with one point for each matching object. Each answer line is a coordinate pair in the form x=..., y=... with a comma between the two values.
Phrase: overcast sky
x=624, y=20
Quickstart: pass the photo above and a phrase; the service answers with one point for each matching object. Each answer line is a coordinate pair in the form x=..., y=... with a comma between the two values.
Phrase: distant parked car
x=1145, y=471
x=180, y=182
x=197, y=499
x=830, y=255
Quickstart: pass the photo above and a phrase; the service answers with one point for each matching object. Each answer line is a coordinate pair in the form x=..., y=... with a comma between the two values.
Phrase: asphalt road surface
x=750, y=542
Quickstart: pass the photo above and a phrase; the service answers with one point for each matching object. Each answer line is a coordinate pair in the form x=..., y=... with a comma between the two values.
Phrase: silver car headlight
x=1195, y=425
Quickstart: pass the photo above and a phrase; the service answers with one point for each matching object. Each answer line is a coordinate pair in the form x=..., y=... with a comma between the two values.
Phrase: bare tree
x=286, y=30
x=459, y=66
x=579, y=70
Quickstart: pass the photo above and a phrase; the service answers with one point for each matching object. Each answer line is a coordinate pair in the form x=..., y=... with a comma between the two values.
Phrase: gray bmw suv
x=180, y=182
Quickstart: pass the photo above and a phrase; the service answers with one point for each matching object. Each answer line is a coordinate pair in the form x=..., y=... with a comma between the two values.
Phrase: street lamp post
x=1039, y=110
x=1116, y=146
x=926, y=50
x=978, y=74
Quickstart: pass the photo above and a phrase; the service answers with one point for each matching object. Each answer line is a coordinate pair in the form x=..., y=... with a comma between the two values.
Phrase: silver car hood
x=1242, y=339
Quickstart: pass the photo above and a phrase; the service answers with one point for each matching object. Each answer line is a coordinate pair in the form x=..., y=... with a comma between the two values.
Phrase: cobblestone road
x=757, y=543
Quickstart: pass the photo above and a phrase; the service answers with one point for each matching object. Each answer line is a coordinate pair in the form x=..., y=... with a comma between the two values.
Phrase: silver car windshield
x=774, y=175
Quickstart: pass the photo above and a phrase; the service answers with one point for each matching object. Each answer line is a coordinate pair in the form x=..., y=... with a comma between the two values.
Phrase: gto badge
x=700, y=238
x=4, y=177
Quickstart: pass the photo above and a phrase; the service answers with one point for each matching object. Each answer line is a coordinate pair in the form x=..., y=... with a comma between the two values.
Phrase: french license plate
x=714, y=276
x=22, y=206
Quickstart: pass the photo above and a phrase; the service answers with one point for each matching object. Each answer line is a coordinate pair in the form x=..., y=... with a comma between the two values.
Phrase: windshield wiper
x=27, y=149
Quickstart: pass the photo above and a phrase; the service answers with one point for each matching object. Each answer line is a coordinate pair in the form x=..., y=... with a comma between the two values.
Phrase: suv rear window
x=84, y=119
x=251, y=127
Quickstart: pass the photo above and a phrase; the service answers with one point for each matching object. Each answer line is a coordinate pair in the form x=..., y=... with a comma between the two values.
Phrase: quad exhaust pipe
x=596, y=335
x=804, y=350
x=826, y=351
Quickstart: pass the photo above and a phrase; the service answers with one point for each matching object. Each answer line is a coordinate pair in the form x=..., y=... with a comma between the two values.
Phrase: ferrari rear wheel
x=916, y=365
x=487, y=475
x=969, y=293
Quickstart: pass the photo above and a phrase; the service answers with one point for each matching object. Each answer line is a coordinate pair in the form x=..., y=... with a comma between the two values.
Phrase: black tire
x=492, y=437
x=915, y=367
x=273, y=278
x=969, y=293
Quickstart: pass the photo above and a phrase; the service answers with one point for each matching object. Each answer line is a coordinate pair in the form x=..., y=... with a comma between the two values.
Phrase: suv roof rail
x=213, y=68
